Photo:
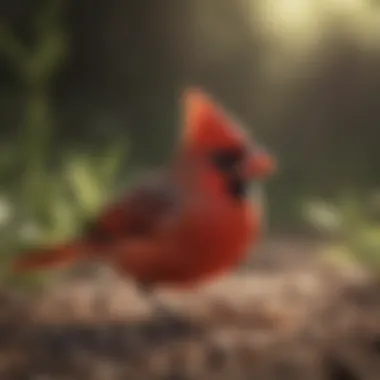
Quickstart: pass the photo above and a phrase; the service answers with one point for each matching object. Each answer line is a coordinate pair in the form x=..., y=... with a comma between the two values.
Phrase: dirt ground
x=286, y=315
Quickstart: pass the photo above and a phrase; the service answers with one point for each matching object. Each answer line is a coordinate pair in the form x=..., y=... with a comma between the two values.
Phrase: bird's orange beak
x=260, y=166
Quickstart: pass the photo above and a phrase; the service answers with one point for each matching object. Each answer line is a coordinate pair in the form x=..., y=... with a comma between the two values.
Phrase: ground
x=286, y=315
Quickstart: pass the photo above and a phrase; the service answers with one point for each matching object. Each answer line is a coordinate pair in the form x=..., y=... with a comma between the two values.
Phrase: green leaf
x=83, y=182
x=109, y=164
x=323, y=215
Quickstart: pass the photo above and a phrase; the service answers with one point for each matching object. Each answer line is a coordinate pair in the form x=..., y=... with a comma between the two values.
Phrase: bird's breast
x=220, y=239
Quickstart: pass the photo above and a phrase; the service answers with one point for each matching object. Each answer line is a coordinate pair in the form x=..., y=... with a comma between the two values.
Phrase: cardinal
x=186, y=223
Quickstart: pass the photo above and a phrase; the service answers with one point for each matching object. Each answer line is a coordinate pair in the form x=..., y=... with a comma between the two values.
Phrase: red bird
x=188, y=223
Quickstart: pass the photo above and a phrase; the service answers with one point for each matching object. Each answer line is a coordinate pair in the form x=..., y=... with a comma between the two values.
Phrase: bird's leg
x=159, y=308
x=169, y=323
x=101, y=301
x=168, y=319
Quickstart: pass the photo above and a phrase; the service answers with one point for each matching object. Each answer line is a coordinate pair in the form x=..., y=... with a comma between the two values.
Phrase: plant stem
x=35, y=140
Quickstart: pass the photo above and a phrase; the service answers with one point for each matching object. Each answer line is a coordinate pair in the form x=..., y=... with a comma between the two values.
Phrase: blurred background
x=89, y=99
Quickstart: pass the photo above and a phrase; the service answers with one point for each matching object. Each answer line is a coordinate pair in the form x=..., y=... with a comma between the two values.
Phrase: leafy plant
x=354, y=225
x=36, y=67
x=72, y=195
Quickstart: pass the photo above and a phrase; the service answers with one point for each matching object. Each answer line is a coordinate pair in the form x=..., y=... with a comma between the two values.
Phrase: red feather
x=190, y=222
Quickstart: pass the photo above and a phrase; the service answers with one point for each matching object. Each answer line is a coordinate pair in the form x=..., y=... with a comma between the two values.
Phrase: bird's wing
x=137, y=215
x=133, y=233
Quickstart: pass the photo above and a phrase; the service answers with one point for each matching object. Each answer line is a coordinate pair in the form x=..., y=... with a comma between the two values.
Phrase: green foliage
x=39, y=65
x=354, y=224
x=36, y=68
x=72, y=195
x=46, y=204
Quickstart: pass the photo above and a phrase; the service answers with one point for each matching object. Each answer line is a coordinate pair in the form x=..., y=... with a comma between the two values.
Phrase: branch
x=12, y=49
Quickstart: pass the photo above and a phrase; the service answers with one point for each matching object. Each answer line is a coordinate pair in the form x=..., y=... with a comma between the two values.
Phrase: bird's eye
x=226, y=159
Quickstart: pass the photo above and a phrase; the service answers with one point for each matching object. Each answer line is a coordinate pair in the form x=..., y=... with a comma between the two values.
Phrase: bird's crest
x=206, y=125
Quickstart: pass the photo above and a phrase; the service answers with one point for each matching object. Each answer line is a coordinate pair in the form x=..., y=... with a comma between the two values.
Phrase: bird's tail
x=51, y=257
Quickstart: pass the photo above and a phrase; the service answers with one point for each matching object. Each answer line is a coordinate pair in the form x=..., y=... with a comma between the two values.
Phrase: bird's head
x=212, y=136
